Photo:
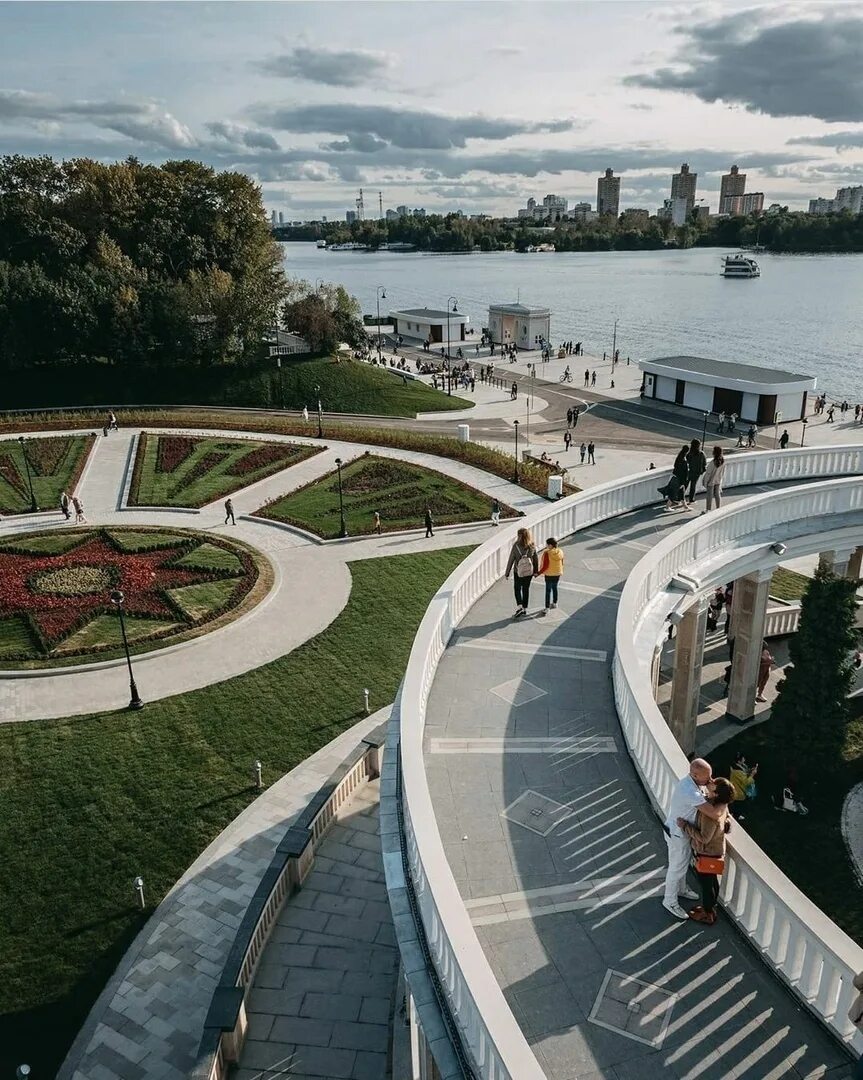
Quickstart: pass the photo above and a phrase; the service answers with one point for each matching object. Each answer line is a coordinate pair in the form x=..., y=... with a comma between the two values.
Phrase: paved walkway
x=560, y=858
x=324, y=993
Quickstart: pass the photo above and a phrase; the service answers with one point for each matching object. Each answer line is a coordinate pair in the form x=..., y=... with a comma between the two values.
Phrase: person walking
x=830, y=413
x=229, y=512
x=696, y=464
x=765, y=663
x=495, y=512
x=706, y=837
x=112, y=422
x=591, y=448
x=378, y=522
x=689, y=796
x=783, y=440
x=523, y=562
x=79, y=510
x=513, y=394
x=674, y=491
x=429, y=522
x=586, y=377
x=714, y=475
x=305, y=412
x=720, y=427
x=582, y=451
x=567, y=441
x=732, y=423
x=64, y=505
x=751, y=435
x=551, y=565
x=593, y=378
x=575, y=414
x=569, y=416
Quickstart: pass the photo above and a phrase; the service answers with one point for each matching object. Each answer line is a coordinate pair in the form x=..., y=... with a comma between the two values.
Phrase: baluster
x=828, y=992
x=810, y=974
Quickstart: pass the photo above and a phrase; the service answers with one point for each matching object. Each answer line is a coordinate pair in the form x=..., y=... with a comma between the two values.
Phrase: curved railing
x=807, y=950
x=490, y=1034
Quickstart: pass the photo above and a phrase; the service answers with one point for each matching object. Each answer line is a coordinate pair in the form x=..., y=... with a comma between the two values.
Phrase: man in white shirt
x=689, y=797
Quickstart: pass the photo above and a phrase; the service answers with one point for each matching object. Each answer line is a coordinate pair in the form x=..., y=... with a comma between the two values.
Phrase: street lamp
x=804, y=422
x=614, y=343
x=320, y=413
x=450, y=300
x=343, y=529
x=704, y=430
x=380, y=294
x=515, y=473
x=33, y=506
x=135, y=699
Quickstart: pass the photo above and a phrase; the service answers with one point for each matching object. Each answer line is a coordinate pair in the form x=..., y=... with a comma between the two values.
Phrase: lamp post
x=320, y=413
x=380, y=294
x=135, y=699
x=281, y=383
x=804, y=422
x=450, y=300
x=319, y=284
x=614, y=343
x=704, y=430
x=515, y=472
x=343, y=529
x=33, y=506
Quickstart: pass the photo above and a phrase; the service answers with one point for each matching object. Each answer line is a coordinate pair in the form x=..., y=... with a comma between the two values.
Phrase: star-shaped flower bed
x=55, y=588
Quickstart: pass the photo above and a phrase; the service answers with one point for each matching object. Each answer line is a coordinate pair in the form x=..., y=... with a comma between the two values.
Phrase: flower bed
x=172, y=451
x=55, y=464
x=9, y=472
x=263, y=457
x=206, y=463
x=47, y=455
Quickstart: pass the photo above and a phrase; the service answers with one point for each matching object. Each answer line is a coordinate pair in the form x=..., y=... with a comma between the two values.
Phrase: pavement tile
x=353, y=1036
x=331, y=1006
x=302, y=1031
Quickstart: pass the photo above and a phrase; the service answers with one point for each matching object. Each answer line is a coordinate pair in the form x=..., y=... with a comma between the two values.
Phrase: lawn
x=55, y=463
x=792, y=841
x=185, y=470
x=398, y=490
x=788, y=584
x=55, y=590
x=90, y=802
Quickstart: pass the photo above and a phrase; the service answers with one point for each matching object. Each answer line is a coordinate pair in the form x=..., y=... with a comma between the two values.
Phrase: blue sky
x=445, y=105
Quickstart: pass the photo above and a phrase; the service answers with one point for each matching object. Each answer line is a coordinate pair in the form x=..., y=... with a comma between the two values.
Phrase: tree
x=812, y=708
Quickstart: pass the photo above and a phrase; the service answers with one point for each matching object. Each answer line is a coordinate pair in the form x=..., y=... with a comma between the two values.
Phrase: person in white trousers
x=689, y=797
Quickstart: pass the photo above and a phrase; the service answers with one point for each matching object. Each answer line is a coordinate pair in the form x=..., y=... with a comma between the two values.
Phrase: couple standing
x=527, y=564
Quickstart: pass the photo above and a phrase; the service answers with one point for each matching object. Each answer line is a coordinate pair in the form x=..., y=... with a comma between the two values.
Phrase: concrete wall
x=790, y=405
x=698, y=396
x=749, y=408
x=665, y=388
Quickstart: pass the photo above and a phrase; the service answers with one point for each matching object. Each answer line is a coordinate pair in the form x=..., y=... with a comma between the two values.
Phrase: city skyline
x=348, y=98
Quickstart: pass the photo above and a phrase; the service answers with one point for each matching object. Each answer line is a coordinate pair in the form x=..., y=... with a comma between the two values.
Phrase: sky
x=473, y=106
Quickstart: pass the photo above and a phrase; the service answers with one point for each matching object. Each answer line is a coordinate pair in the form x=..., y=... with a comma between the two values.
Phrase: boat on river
x=740, y=266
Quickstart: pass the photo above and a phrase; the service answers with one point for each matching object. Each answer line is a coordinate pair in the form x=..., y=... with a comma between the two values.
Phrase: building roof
x=519, y=309
x=727, y=369
x=430, y=313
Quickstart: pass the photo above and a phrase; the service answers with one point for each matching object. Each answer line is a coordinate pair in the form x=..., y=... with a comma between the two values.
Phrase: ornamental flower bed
x=9, y=472
x=46, y=455
x=264, y=457
x=205, y=463
x=58, y=594
x=172, y=451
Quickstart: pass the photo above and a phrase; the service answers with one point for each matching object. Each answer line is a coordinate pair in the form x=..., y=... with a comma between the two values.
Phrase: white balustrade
x=783, y=917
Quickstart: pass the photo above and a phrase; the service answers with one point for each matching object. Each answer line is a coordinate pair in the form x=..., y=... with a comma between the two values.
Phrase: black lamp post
x=804, y=422
x=135, y=698
x=33, y=506
x=380, y=294
x=343, y=529
x=320, y=413
x=450, y=300
x=515, y=473
x=704, y=430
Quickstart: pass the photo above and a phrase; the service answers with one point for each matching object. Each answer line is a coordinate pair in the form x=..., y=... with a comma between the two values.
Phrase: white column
x=748, y=610
x=837, y=561
x=656, y=668
x=686, y=679
x=855, y=564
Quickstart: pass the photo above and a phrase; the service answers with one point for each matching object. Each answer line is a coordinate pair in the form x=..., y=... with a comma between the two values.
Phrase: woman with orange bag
x=707, y=837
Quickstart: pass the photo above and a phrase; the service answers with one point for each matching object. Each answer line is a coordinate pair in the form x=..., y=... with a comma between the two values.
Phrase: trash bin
x=464, y=433
x=555, y=487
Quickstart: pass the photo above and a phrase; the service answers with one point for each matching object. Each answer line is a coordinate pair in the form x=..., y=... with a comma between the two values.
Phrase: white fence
x=489, y=1031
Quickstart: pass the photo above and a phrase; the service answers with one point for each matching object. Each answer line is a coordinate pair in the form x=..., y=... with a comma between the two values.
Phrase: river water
x=804, y=314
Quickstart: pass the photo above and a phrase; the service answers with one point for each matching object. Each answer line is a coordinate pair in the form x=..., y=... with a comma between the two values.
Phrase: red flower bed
x=172, y=451
x=46, y=455
x=262, y=457
x=9, y=472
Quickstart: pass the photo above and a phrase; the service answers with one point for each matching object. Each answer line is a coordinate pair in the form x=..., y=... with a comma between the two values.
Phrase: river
x=804, y=314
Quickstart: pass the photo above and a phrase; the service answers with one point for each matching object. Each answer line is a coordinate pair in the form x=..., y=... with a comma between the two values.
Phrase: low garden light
x=257, y=774
x=139, y=890
x=23, y=442
x=343, y=529
x=134, y=697
x=320, y=413
x=366, y=701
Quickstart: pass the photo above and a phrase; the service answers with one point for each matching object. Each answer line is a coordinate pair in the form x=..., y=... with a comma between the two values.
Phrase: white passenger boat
x=740, y=266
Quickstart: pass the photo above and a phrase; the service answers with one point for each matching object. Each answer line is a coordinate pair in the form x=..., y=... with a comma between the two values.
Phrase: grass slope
x=90, y=802
x=398, y=490
x=55, y=463
x=788, y=584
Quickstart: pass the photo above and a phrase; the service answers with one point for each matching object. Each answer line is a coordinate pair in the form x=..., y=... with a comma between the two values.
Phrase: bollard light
x=366, y=701
x=139, y=889
x=259, y=783
x=23, y=1072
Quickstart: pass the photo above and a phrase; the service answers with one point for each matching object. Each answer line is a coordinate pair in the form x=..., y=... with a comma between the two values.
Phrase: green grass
x=197, y=600
x=104, y=632
x=64, y=456
x=15, y=638
x=788, y=584
x=398, y=490
x=90, y=802
x=210, y=557
x=149, y=540
x=790, y=840
x=54, y=544
x=212, y=471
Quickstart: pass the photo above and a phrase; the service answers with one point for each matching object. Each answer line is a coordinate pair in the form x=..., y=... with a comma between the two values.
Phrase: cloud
x=240, y=136
x=143, y=121
x=842, y=140
x=409, y=129
x=330, y=67
x=805, y=67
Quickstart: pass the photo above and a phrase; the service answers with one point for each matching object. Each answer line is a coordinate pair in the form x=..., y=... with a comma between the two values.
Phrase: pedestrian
x=575, y=415
x=229, y=512
x=523, y=561
x=707, y=839
x=495, y=512
x=582, y=451
x=586, y=377
x=569, y=418
x=377, y=522
x=714, y=475
x=830, y=413
x=513, y=394
x=733, y=422
x=306, y=412
x=551, y=565
x=696, y=464
x=79, y=510
x=765, y=663
x=112, y=421
x=567, y=440
x=591, y=447
x=64, y=505
x=674, y=491
x=720, y=427
x=593, y=378
x=751, y=435
x=783, y=440
x=689, y=796
x=429, y=522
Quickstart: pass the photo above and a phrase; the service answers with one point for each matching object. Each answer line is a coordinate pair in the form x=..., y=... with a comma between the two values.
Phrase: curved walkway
x=560, y=859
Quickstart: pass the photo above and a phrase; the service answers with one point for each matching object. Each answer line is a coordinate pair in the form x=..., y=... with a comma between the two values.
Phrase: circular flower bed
x=55, y=590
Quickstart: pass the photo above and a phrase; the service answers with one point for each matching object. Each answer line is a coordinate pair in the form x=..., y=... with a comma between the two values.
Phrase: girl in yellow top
x=551, y=565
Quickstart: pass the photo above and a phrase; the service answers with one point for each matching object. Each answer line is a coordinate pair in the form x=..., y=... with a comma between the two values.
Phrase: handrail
x=491, y=1035
x=805, y=948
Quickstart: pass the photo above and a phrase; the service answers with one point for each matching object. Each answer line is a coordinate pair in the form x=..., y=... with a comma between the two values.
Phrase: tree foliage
x=132, y=263
x=812, y=706
x=325, y=316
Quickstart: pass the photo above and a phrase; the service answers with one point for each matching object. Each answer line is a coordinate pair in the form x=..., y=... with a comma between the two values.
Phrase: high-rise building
x=608, y=194
x=820, y=206
x=849, y=198
x=351, y=216
x=752, y=203
x=733, y=186
x=554, y=207
x=680, y=209
x=634, y=216
x=274, y=219
x=281, y=218
x=683, y=187
x=402, y=211
x=392, y=215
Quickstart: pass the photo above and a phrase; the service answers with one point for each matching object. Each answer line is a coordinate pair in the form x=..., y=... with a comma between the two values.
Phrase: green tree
x=812, y=708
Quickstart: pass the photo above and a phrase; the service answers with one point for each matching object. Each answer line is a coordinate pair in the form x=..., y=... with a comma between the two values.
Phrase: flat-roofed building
x=430, y=324
x=524, y=325
x=608, y=194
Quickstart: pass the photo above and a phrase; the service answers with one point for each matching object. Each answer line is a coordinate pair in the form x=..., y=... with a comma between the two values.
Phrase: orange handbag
x=709, y=864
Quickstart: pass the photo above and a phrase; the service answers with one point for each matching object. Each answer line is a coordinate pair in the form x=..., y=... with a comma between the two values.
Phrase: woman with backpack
x=696, y=464
x=551, y=565
x=674, y=491
x=525, y=565
x=714, y=474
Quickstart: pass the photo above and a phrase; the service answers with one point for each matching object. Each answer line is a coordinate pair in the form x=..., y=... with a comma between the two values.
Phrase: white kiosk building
x=519, y=324
x=756, y=394
x=428, y=324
